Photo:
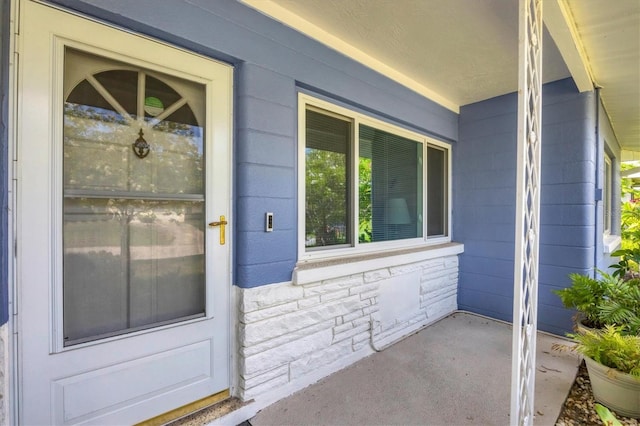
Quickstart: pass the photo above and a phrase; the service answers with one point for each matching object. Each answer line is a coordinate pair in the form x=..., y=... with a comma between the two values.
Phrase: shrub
x=608, y=300
x=622, y=307
x=610, y=348
x=627, y=267
x=586, y=294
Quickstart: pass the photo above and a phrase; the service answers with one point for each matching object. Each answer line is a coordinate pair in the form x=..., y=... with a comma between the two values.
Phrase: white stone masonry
x=288, y=331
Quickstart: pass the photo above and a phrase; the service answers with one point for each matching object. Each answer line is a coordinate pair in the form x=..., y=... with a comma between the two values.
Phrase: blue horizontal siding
x=258, y=147
x=499, y=306
x=266, y=116
x=249, y=219
x=231, y=31
x=567, y=235
x=555, y=319
x=251, y=275
x=272, y=62
x=484, y=200
x=558, y=276
x=567, y=214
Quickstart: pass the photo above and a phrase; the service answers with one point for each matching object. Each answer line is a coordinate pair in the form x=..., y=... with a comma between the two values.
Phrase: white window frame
x=607, y=195
x=309, y=102
x=610, y=241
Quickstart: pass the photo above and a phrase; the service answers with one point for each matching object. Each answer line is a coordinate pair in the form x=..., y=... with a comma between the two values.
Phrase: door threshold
x=198, y=412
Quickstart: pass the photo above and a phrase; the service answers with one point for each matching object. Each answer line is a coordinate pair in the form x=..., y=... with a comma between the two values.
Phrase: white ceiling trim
x=562, y=28
x=294, y=21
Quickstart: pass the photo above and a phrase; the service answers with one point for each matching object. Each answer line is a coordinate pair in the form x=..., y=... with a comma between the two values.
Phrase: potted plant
x=621, y=307
x=586, y=295
x=613, y=362
x=608, y=300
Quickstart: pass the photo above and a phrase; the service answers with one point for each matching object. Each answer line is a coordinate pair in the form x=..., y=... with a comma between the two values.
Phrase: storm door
x=124, y=163
x=134, y=198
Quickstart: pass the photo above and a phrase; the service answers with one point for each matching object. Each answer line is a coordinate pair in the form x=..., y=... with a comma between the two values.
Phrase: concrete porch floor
x=454, y=372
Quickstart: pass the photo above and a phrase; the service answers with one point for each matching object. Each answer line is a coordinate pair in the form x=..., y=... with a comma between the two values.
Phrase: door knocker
x=140, y=146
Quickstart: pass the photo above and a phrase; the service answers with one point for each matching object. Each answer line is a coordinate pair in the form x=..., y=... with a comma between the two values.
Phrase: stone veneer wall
x=291, y=335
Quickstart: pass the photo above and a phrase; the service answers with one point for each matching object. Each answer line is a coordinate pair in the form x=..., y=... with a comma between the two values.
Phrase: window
x=367, y=184
x=606, y=194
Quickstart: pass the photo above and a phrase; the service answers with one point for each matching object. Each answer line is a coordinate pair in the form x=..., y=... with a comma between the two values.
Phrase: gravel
x=578, y=408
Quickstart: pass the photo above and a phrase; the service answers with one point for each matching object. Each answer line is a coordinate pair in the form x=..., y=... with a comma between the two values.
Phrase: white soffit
x=284, y=12
x=455, y=52
x=561, y=26
x=610, y=35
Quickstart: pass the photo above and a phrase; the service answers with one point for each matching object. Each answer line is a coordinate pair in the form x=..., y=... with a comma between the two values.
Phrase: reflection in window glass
x=369, y=182
x=130, y=264
x=390, y=186
x=328, y=141
x=437, y=188
x=606, y=194
x=98, y=154
x=133, y=228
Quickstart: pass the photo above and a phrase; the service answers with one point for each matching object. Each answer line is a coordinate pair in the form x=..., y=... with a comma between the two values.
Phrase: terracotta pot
x=618, y=391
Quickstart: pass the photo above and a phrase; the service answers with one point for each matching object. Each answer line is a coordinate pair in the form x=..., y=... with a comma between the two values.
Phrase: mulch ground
x=578, y=409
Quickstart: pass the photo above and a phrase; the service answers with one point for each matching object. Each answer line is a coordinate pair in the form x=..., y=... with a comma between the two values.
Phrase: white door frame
x=12, y=388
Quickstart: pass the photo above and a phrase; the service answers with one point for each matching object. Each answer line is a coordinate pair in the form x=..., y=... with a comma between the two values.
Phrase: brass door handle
x=221, y=224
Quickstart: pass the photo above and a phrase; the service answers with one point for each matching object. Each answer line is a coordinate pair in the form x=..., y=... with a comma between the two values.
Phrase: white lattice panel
x=525, y=303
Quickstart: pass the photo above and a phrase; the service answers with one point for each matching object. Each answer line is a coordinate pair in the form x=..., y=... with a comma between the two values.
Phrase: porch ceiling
x=458, y=52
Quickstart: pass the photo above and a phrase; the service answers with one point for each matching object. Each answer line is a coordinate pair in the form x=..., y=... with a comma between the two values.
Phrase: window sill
x=309, y=271
x=611, y=243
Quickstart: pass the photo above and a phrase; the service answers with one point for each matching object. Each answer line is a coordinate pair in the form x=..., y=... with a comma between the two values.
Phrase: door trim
x=13, y=357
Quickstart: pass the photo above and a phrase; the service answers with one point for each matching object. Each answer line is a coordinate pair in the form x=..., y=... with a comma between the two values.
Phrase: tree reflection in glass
x=133, y=228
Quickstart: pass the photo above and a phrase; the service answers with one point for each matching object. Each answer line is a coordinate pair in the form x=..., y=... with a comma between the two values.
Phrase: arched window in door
x=134, y=198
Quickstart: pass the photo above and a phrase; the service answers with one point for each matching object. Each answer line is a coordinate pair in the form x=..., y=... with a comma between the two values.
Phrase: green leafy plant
x=610, y=348
x=627, y=186
x=606, y=416
x=326, y=197
x=586, y=294
x=622, y=307
x=630, y=224
x=365, y=223
x=627, y=267
x=608, y=300
x=630, y=210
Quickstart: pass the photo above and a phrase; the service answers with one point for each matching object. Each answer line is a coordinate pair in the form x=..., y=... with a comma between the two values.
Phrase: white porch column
x=525, y=297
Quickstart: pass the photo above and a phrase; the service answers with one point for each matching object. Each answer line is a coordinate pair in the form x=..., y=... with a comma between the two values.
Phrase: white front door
x=123, y=166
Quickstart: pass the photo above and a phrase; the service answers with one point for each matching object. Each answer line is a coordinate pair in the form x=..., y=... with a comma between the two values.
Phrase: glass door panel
x=133, y=183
